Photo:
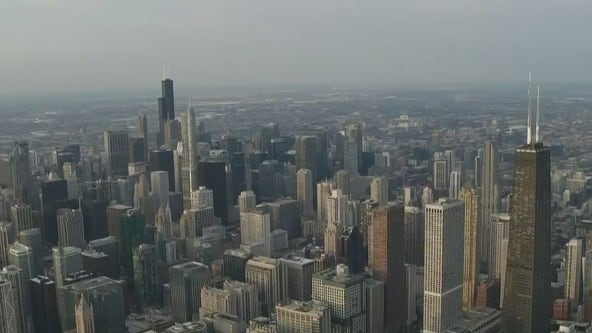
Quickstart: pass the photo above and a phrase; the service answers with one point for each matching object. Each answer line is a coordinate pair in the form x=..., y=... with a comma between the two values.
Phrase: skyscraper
x=414, y=234
x=44, y=309
x=70, y=228
x=499, y=233
x=353, y=148
x=166, y=108
x=22, y=217
x=213, y=175
x=306, y=153
x=379, y=190
x=265, y=273
x=21, y=294
x=20, y=170
x=443, y=279
x=470, y=198
x=146, y=284
x=255, y=227
x=32, y=239
x=117, y=150
x=187, y=280
x=8, y=315
x=337, y=208
x=294, y=316
x=6, y=239
x=528, y=273
x=345, y=294
x=246, y=201
x=66, y=260
x=298, y=274
x=490, y=200
x=163, y=160
x=202, y=198
x=142, y=133
x=304, y=189
x=189, y=157
x=454, y=188
x=387, y=260
x=342, y=181
x=324, y=190
x=440, y=177
x=234, y=298
x=160, y=188
x=573, y=280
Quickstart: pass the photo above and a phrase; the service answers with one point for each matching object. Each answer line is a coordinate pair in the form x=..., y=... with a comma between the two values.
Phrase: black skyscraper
x=166, y=108
x=163, y=160
x=54, y=195
x=44, y=305
x=527, y=294
x=212, y=174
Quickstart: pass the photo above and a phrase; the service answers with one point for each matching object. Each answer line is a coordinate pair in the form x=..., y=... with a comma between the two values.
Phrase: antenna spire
x=530, y=123
x=163, y=72
x=538, y=114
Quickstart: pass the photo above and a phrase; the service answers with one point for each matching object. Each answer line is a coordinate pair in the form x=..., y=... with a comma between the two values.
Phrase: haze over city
x=112, y=45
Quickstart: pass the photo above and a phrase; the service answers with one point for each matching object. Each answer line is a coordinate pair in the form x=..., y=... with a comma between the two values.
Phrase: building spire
x=538, y=114
x=163, y=72
x=530, y=123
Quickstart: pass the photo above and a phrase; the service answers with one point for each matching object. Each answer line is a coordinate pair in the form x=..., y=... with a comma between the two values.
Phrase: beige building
x=298, y=317
x=470, y=198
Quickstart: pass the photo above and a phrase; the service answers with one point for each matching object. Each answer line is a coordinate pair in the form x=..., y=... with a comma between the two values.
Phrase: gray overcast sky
x=70, y=45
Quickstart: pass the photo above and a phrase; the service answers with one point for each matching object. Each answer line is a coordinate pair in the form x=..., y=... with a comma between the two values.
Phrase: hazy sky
x=71, y=45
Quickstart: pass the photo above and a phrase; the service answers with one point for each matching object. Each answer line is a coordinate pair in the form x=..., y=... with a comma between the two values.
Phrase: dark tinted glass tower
x=212, y=174
x=162, y=160
x=166, y=108
x=527, y=303
x=44, y=305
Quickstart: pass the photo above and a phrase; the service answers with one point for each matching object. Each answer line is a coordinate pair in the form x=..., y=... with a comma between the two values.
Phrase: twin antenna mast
x=533, y=131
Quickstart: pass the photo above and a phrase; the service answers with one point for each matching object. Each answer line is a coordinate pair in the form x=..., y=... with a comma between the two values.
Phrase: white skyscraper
x=246, y=201
x=8, y=315
x=337, y=208
x=256, y=227
x=440, y=178
x=202, y=198
x=324, y=190
x=379, y=190
x=499, y=233
x=443, y=282
x=266, y=274
x=573, y=281
x=160, y=187
x=454, y=188
x=304, y=190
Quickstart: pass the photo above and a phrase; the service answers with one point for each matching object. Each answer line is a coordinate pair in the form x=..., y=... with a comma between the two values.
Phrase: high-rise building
x=337, y=208
x=146, y=283
x=470, y=198
x=44, y=308
x=306, y=153
x=387, y=260
x=526, y=303
x=235, y=298
x=324, y=191
x=202, y=198
x=166, y=109
x=353, y=149
x=499, y=233
x=345, y=294
x=104, y=295
x=70, y=228
x=490, y=198
x=265, y=273
x=187, y=280
x=117, y=150
x=379, y=190
x=66, y=260
x=85, y=318
x=163, y=160
x=142, y=133
x=414, y=234
x=8, y=308
x=374, y=305
x=22, y=217
x=21, y=293
x=298, y=274
x=440, y=177
x=160, y=187
x=235, y=261
x=443, y=280
x=20, y=170
x=246, y=200
x=21, y=256
x=304, y=189
x=33, y=240
x=6, y=239
x=108, y=246
x=189, y=158
x=255, y=227
x=342, y=180
x=213, y=175
x=454, y=188
x=294, y=316
x=573, y=279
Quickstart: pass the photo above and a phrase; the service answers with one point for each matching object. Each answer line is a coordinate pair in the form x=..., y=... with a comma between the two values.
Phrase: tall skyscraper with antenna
x=166, y=107
x=528, y=273
x=189, y=159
